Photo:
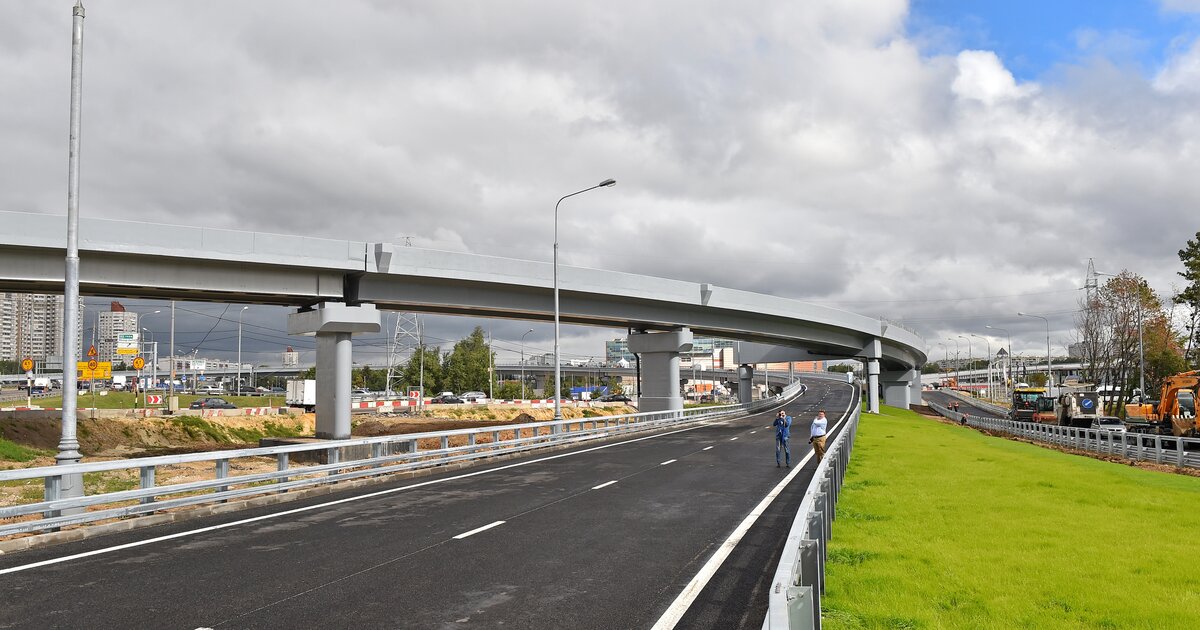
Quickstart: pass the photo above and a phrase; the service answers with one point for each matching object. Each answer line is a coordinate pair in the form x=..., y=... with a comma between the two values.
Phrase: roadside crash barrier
x=794, y=601
x=343, y=460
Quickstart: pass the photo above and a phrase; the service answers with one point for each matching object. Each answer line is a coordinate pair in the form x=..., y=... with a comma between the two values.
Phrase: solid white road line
x=669, y=461
x=478, y=529
x=604, y=485
x=684, y=601
x=369, y=495
x=706, y=448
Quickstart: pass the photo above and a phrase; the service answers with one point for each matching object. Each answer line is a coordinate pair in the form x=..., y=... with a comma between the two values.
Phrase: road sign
x=91, y=351
x=154, y=399
x=103, y=369
x=199, y=365
x=139, y=363
x=127, y=343
x=414, y=394
x=26, y=364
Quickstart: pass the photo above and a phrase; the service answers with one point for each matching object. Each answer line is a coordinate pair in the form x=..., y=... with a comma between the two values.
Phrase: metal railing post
x=147, y=482
x=222, y=472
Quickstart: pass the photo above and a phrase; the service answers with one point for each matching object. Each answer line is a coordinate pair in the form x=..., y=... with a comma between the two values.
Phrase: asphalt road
x=602, y=536
x=943, y=398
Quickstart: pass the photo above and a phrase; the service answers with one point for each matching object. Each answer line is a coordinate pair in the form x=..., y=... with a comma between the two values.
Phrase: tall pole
x=957, y=363
x=970, y=354
x=239, y=367
x=68, y=445
x=1049, y=371
x=989, y=362
x=420, y=365
x=523, y=363
x=491, y=369
x=1008, y=376
x=557, y=367
x=171, y=385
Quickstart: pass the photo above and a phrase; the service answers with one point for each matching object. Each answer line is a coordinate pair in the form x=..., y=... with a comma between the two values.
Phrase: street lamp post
x=989, y=362
x=1008, y=359
x=239, y=367
x=957, y=363
x=1049, y=372
x=523, y=363
x=154, y=351
x=557, y=367
x=970, y=354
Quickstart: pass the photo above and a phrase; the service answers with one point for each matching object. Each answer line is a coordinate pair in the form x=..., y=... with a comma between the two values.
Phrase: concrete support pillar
x=914, y=389
x=333, y=323
x=745, y=383
x=897, y=388
x=872, y=353
x=873, y=385
x=660, y=367
x=334, y=365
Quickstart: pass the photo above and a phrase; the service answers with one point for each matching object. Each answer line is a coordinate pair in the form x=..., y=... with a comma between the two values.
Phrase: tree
x=310, y=373
x=1190, y=297
x=466, y=367
x=410, y=374
x=846, y=367
x=508, y=390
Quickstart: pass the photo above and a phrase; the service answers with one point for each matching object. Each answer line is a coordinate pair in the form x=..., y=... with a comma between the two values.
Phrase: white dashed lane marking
x=669, y=461
x=604, y=485
x=478, y=529
x=706, y=448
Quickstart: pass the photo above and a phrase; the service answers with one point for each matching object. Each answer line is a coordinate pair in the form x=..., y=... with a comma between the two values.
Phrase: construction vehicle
x=1043, y=411
x=1174, y=413
x=1077, y=407
x=1024, y=402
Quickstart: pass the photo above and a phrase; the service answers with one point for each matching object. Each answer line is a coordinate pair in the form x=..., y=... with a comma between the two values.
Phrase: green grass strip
x=940, y=526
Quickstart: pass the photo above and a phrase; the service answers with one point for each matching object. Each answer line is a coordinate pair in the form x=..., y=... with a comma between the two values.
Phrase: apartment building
x=31, y=326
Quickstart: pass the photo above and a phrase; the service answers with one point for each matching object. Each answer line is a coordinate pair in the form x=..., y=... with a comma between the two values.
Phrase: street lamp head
x=1022, y=314
x=608, y=182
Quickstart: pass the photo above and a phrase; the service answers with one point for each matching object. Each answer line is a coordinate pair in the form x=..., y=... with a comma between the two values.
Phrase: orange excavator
x=1175, y=411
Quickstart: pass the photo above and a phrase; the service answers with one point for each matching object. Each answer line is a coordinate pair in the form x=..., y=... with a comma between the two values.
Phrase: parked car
x=445, y=399
x=212, y=403
x=615, y=398
x=475, y=397
x=361, y=391
x=1108, y=423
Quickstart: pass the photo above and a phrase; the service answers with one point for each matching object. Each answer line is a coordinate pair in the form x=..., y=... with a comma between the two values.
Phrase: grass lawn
x=943, y=527
x=124, y=400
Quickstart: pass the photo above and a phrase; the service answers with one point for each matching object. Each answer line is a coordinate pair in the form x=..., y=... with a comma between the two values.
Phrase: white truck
x=118, y=382
x=302, y=393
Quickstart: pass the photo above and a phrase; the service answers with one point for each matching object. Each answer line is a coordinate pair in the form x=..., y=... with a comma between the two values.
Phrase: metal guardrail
x=794, y=600
x=387, y=454
x=1148, y=447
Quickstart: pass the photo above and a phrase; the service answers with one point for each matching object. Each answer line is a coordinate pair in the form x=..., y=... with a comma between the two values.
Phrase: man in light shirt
x=816, y=435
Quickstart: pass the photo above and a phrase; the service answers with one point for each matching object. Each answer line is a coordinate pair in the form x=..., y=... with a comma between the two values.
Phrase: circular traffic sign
x=139, y=363
x=26, y=364
x=93, y=364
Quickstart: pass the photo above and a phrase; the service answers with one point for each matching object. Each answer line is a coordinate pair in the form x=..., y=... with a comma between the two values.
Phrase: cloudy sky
x=944, y=163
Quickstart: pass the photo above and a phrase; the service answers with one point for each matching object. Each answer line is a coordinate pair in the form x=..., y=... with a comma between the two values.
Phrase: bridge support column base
x=897, y=388
x=660, y=367
x=873, y=385
x=333, y=323
x=745, y=383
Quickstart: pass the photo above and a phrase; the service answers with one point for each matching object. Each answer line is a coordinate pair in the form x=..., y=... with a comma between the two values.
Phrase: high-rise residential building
x=616, y=350
x=31, y=326
x=110, y=324
x=291, y=358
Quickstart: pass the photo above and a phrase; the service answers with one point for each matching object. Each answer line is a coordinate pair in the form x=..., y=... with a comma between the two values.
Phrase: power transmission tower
x=405, y=341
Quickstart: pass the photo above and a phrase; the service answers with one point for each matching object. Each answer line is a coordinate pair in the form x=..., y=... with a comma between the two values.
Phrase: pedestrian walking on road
x=816, y=435
x=783, y=425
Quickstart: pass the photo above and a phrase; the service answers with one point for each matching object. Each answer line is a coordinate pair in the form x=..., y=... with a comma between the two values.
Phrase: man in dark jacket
x=783, y=425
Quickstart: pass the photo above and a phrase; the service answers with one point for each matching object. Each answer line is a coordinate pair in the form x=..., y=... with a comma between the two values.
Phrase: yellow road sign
x=26, y=364
x=102, y=369
x=91, y=351
x=139, y=363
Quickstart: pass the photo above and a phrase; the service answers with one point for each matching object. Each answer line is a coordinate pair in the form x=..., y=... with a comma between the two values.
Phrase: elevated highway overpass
x=339, y=287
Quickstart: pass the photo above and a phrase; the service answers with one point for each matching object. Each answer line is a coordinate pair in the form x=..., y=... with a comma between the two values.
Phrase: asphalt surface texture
x=605, y=535
x=944, y=399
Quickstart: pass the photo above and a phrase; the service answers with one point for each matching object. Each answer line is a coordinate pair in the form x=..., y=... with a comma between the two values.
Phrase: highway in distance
x=604, y=535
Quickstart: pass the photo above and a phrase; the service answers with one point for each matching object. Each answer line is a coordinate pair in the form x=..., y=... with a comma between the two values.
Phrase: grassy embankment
x=941, y=526
x=124, y=400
